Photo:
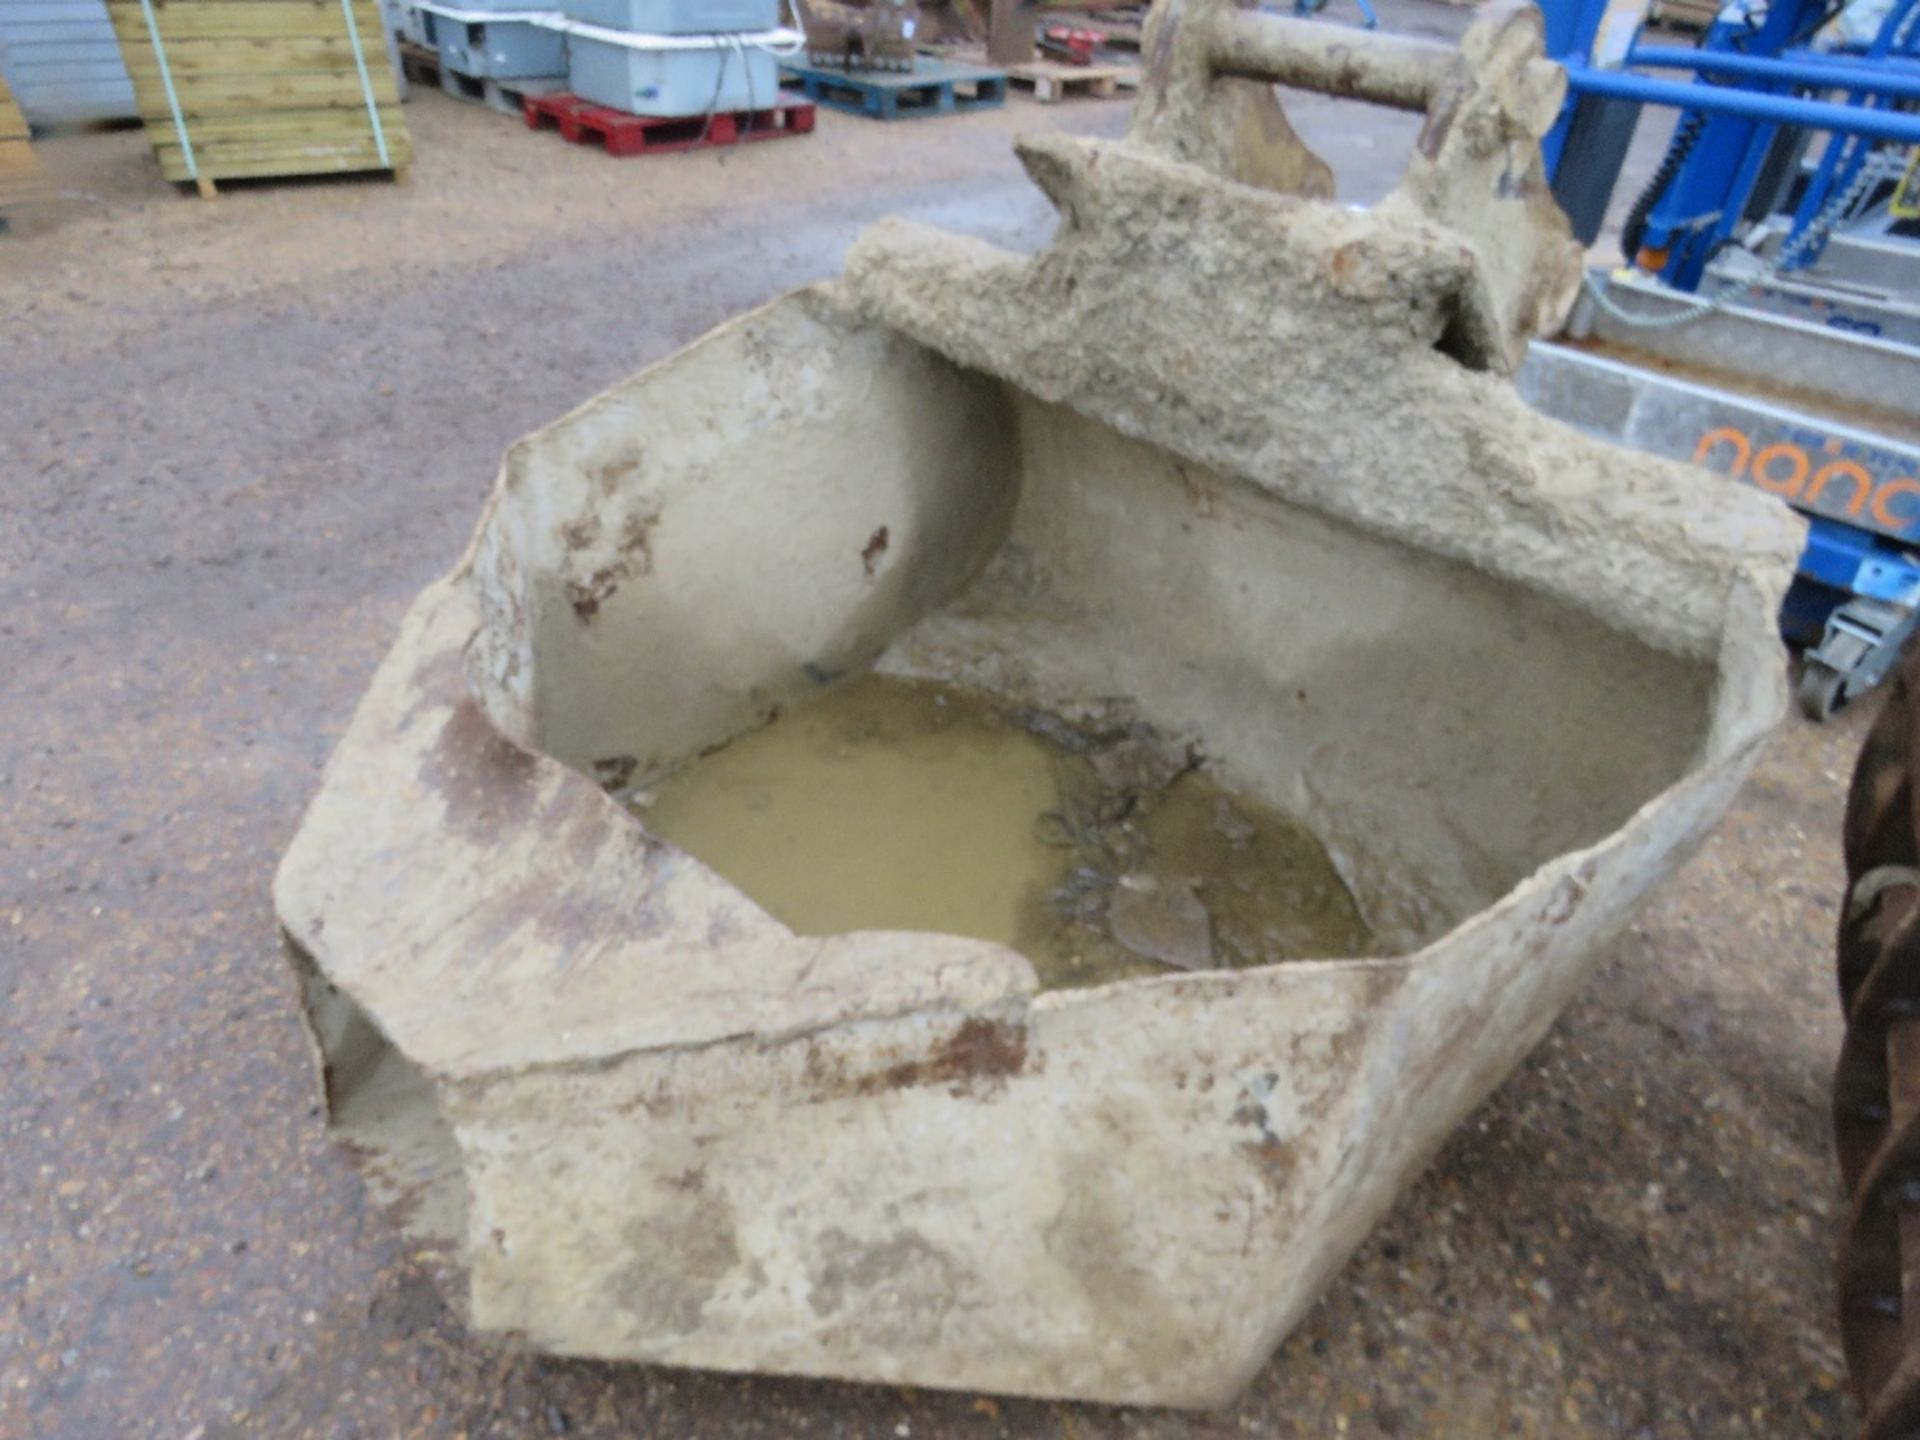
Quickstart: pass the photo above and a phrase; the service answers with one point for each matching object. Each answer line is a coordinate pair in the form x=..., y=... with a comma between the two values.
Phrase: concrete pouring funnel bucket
x=1229, y=462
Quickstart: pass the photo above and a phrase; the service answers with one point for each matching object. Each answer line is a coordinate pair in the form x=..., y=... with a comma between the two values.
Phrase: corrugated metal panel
x=62, y=61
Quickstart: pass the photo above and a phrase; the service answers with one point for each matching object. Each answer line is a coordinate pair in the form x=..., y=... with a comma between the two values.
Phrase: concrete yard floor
x=236, y=437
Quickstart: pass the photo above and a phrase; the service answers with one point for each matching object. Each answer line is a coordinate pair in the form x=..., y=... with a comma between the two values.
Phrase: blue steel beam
x=1869, y=79
x=1855, y=62
x=1897, y=126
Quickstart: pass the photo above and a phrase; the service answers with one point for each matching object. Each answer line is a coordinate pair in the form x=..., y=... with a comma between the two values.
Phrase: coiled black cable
x=1687, y=133
x=1685, y=136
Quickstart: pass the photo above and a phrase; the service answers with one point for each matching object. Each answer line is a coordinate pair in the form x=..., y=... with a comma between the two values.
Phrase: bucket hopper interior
x=1246, y=457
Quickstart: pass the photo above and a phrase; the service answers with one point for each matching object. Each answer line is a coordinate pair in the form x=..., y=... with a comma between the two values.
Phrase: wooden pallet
x=583, y=122
x=22, y=181
x=509, y=97
x=1121, y=31
x=264, y=87
x=1052, y=81
x=932, y=87
x=423, y=66
x=419, y=63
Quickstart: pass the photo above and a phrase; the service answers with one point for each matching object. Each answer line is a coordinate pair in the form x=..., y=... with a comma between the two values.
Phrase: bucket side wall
x=1444, y=731
x=728, y=532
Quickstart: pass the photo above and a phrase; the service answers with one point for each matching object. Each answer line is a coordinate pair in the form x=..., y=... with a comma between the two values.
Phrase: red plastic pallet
x=623, y=134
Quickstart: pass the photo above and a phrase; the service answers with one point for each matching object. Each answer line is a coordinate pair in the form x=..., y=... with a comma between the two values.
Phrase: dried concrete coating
x=1239, y=455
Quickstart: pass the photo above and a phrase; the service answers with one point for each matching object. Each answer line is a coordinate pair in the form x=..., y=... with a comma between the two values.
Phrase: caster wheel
x=1820, y=691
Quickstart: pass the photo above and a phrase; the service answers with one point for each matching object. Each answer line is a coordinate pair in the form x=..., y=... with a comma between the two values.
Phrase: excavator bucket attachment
x=1226, y=459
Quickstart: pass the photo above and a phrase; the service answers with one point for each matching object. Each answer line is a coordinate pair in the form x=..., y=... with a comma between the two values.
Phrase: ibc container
x=503, y=50
x=676, y=17
x=672, y=82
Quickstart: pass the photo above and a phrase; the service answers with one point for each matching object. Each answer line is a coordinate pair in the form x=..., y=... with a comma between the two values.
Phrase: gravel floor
x=239, y=436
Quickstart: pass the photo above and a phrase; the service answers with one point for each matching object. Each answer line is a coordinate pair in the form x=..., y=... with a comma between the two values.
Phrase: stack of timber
x=21, y=178
x=1693, y=16
x=237, y=89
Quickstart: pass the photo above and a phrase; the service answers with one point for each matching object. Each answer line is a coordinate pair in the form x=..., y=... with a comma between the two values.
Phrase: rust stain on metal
x=1274, y=1159
x=636, y=542
x=1566, y=897
x=483, y=778
x=619, y=467
x=980, y=1055
x=635, y=558
x=615, y=772
x=587, y=595
x=876, y=546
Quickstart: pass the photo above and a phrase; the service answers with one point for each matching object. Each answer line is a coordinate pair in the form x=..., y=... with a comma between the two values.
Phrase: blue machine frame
x=1753, y=78
x=1756, y=91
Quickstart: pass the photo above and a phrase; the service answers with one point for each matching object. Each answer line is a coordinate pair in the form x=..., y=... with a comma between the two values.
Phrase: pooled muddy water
x=1099, y=849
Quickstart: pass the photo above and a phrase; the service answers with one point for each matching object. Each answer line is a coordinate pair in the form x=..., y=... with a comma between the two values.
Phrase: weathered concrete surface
x=1476, y=167
x=211, y=540
x=678, y=1132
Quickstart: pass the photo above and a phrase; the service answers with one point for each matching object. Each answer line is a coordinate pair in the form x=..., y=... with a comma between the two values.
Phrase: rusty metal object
x=1876, y=1099
x=875, y=35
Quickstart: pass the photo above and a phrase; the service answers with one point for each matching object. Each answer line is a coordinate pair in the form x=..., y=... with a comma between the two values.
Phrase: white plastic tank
x=677, y=17
x=713, y=79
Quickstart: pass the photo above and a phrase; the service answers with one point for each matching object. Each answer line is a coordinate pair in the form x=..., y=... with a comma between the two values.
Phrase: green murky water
x=1099, y=850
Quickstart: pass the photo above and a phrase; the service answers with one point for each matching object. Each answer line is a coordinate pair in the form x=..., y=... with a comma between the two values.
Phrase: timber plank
x=272, y=167
x=284, y=124
x=241, y=147
x=238, y=147
x=245, y=150
x=182, y=20
x=331, y=54
x=22, y=180
x=241, y=94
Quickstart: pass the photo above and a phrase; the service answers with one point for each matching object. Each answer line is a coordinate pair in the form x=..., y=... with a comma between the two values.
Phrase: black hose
x=1687, y=134
x=1685, y=137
